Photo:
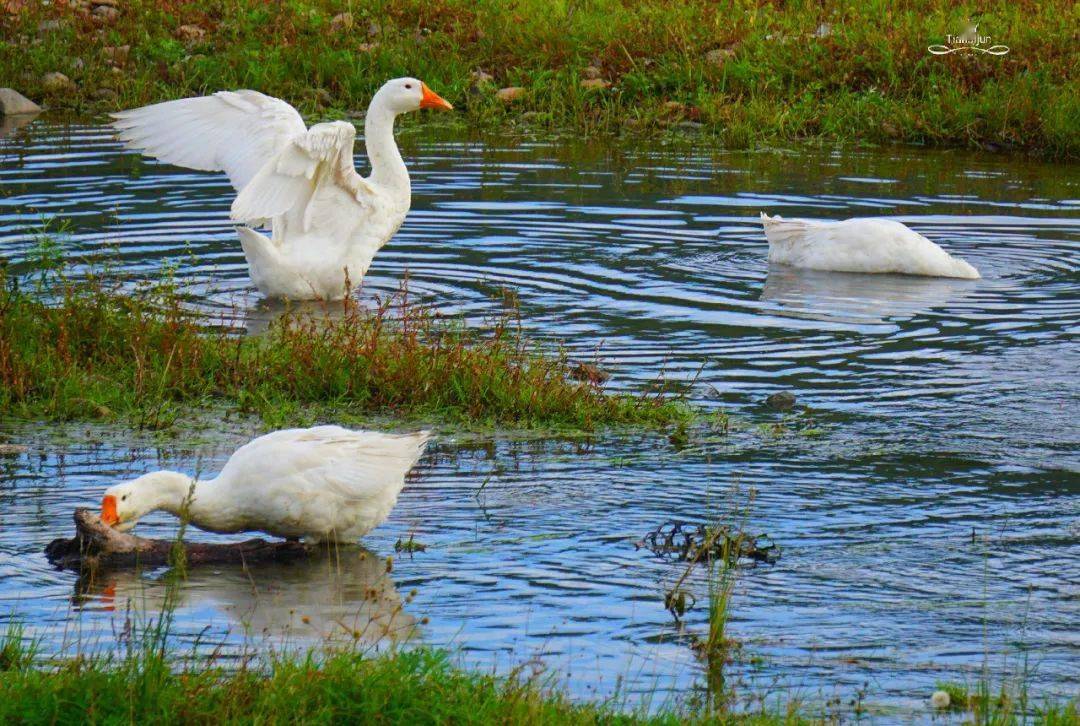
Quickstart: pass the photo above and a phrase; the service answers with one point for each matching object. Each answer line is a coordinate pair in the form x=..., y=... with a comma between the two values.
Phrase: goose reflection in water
x=343, y=594
x=856, y=298
x=259, y=318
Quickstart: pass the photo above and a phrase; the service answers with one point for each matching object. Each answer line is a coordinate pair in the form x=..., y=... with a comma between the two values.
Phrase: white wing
x=311, y=173
x=232, y=131
x=353, y=464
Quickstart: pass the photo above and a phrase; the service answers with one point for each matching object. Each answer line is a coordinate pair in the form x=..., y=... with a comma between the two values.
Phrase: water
x=927, y=505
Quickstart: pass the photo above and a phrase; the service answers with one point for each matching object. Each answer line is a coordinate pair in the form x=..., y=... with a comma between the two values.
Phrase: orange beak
x=108, y=510
x=433, y=100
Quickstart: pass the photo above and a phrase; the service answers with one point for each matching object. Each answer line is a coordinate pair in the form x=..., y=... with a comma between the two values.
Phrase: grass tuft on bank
x=748, y=72
x=95, y=352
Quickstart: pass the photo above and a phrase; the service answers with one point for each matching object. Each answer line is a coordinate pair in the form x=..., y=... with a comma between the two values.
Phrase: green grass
x=418, y=686
x=408, y=687
x=772, y=78
x=95, y=352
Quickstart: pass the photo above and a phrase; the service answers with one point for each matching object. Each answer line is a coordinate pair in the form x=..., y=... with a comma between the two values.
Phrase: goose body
x=325, y=483
x=859, y=245
x=326, y=221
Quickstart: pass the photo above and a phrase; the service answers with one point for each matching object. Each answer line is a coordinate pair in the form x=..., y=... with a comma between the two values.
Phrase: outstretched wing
x=320, y=160
x=232, y=131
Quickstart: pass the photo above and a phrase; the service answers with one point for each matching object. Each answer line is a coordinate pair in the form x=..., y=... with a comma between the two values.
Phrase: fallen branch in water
x=95, y=543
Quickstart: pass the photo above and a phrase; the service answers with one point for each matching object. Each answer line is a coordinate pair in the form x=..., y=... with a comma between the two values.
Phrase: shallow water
x=927, y=504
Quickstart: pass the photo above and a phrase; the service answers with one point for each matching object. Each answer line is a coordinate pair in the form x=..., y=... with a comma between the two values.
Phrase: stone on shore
x=510, y=94
x=57, y=82
x=13, y=103
x=341, y=22
x=190, y=33
x=105, y=14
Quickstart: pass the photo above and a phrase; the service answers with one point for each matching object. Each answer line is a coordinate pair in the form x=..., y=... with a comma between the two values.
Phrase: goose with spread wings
x=326, y=221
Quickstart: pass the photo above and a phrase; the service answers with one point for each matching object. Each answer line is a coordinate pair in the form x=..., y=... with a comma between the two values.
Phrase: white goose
x=327, y=221
x=859, y=245
x=325, y=483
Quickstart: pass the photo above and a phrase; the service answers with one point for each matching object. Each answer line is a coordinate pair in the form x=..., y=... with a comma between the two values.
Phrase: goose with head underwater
x=326, y=221
x=859, y=245
x=322, y=484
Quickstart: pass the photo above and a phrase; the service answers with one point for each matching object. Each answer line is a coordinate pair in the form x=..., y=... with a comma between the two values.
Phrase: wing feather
x=232, y=131
x=320, y=158
x=355, y=465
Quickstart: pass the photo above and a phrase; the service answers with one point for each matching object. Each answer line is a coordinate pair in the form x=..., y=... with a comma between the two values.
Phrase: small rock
x=510, y=94
x=105, y=3
x=592, y=72
x=12, y=449
x=823, y=31
x=47, y=26
x=105, y=14
x=341, y=21
x=717, y=56
x=480, y=77
x=690, y=125
x=373, y=29
x=940, y=699
x=13, y=103
x=595, y=83
x=116, y=54
x=106, y=94
x=56, y=82
x=782, y=401
x=190, y=33
x=588, y=373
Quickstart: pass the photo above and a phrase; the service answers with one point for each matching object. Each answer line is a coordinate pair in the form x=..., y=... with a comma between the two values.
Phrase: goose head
x=124, y=504
x=403, y=95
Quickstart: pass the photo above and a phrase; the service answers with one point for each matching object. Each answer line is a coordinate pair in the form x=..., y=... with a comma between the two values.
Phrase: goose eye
x=408, y=86
x=124, y=498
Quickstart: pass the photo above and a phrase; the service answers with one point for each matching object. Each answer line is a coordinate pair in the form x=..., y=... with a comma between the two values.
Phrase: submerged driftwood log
x=687, y=542
x=95, y=543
